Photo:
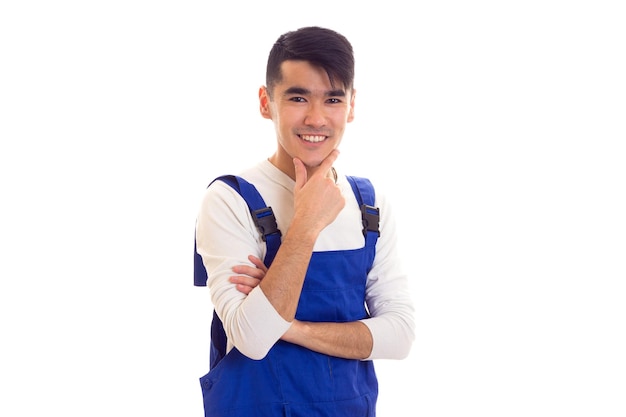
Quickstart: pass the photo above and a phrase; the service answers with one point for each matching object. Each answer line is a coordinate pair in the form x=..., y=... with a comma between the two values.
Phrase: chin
x=312, y=163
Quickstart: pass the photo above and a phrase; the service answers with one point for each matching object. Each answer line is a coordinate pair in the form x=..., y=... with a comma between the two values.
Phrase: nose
x=315, y=116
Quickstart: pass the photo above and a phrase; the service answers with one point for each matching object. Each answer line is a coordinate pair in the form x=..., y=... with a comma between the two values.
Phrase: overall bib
x=293, y=381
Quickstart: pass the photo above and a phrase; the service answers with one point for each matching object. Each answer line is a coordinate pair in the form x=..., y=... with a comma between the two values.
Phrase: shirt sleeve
x=388, y=296
x=225, y=237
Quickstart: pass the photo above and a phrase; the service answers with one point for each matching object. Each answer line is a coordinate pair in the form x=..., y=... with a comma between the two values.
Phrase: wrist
x=302, y=233
x=294, y=332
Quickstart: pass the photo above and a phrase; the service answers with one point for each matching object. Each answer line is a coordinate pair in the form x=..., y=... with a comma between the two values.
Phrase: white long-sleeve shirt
x=226, y=235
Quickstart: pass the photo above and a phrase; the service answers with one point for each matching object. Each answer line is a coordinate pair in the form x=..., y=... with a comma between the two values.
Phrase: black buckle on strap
x=371, y=217
x=266, y=222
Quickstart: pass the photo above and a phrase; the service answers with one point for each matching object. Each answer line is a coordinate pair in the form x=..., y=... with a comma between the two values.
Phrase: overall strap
x=262, y=215
x=370, y=214
x=266, y=223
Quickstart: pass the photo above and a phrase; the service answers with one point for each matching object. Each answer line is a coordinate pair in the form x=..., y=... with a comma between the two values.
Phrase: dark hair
x=321, y=47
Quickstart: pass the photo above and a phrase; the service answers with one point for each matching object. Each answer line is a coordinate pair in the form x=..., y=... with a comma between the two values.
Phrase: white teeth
x=311, y=138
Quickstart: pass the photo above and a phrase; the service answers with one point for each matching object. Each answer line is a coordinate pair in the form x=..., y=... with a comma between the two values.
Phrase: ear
x=351, y=113
x=264, y=103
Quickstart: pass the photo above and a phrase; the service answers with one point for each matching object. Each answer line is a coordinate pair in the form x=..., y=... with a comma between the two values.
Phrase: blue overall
x=294, y=381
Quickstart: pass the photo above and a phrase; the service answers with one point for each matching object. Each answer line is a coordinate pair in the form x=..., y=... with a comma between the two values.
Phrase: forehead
x=303, y=74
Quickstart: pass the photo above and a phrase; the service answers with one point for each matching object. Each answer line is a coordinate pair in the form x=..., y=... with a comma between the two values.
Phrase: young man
x=302, y=334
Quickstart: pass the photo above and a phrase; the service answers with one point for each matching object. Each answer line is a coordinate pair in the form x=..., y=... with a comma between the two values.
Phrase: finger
x=250, y=271
x=243, y=280
x=301, y=175
x=243, y=289
x=257, y=262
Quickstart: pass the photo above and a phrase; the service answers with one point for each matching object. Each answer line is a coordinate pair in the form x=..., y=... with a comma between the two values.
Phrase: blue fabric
x=295, y=381
x=255, y=203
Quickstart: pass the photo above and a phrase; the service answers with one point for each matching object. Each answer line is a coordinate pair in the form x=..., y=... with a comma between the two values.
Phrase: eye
x=334, y=100
x=297, y=99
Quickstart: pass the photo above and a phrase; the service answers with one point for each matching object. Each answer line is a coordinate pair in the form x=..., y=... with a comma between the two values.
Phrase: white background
x=496, y=128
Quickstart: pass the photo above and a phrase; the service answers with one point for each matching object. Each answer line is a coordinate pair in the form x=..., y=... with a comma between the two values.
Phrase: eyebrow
x=305, y=91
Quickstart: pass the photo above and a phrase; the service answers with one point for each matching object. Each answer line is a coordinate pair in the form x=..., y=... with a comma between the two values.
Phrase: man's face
x=309, y=115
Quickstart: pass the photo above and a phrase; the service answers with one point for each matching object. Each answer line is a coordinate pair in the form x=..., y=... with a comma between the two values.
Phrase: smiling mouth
x=312, y=138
